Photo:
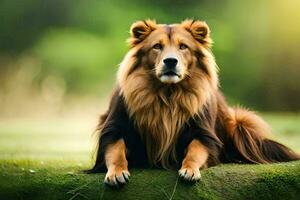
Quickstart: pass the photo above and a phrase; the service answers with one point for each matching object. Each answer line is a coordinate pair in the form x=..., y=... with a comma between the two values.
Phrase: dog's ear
x=199, y=30
x=140, y=30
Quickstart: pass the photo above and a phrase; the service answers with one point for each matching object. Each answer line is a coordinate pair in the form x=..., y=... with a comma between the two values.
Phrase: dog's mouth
x=170, y=73
x=170, y=76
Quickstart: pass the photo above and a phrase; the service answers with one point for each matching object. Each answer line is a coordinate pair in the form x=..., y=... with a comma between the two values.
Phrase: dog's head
x=171, y=53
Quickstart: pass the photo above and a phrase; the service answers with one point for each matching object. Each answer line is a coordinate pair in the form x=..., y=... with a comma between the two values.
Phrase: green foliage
x=82, y=59
x=82, y=42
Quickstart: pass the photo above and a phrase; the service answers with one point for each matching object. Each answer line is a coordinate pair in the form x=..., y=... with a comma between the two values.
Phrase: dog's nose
x=170, y=62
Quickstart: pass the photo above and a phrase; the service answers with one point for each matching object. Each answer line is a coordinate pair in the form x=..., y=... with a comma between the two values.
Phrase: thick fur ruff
x=175, y=106
x=158, y=121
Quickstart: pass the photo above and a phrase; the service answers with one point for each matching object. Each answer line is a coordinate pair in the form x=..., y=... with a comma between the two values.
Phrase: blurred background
x=58, y=60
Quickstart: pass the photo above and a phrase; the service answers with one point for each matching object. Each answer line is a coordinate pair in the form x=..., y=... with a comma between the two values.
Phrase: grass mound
x=58, y=180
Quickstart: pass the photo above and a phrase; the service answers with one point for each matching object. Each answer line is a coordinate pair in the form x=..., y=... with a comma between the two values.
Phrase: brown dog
x=167, y=110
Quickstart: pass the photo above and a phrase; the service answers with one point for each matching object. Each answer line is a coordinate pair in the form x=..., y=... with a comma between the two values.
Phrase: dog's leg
x=116, y=163
x=195, y=158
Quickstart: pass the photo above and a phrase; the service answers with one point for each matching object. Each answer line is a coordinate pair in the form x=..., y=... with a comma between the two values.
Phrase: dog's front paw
x=116, y=176
x=189, y=174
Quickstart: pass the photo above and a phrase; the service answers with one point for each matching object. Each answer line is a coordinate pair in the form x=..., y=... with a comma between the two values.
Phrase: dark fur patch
x=138, y=60
x=199, y=55
x=169, y=31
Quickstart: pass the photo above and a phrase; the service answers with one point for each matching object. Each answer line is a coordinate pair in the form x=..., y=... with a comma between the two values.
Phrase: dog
x=167, y=110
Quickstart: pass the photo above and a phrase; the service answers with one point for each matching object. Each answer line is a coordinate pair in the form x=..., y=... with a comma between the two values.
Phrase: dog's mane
x=160, y=111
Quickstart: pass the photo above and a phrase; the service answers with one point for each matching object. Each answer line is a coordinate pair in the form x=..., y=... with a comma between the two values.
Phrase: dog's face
x=171, y=52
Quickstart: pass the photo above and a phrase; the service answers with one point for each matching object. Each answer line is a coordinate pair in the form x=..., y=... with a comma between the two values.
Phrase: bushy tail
x=249, y=135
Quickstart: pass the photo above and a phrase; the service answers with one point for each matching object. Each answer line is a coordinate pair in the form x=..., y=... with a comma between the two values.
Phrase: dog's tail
x=249, y=135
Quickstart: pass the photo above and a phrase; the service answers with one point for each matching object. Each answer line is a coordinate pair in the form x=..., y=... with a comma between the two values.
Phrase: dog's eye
x=183, y=46
x=157, y=46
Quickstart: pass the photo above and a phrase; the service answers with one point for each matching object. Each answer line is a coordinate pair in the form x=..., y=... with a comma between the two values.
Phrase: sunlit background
x=58, y=60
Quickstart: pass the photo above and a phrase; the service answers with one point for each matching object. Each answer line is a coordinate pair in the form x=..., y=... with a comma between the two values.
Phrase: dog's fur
x=173, y=121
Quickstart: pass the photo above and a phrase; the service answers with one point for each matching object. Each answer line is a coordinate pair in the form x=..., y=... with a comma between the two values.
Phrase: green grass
x=63, y=180
x=43, y=159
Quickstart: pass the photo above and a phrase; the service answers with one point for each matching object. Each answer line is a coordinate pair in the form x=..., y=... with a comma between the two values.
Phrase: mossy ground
x=45, y=161
x=64, y=180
